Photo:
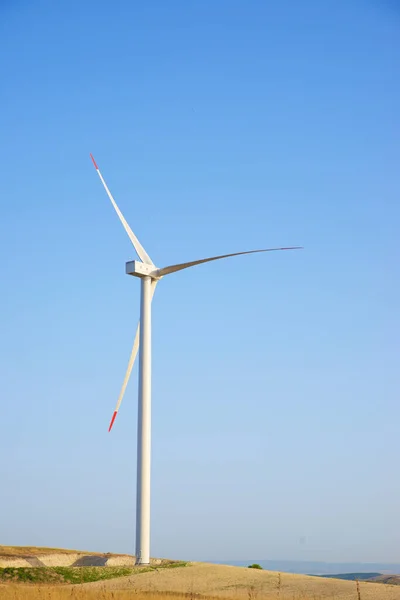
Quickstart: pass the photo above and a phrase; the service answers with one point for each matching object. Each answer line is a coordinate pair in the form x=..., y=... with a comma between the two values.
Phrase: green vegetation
x=255, y=566
x=61, y=574
x=171, y=565
x=69, y=575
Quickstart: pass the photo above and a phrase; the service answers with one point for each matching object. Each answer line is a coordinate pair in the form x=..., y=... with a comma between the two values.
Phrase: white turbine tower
x=150, y=275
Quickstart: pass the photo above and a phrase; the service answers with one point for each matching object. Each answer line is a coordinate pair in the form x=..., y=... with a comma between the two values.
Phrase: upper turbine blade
x=144, y=257
x=131, y=362
x=179, y=267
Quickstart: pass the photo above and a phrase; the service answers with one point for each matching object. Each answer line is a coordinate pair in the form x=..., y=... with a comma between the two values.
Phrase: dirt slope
x=32, y=556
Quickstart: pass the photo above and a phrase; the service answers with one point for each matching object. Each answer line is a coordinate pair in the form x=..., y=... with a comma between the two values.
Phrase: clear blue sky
x=220, y=126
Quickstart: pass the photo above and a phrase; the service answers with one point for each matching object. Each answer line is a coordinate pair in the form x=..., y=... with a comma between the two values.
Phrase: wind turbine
x=149, y=275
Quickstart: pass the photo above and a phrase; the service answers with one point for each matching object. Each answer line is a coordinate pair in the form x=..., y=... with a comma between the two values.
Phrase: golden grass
x=74, y=593
x=102, y=593
x=207, y=582
x=225, y=582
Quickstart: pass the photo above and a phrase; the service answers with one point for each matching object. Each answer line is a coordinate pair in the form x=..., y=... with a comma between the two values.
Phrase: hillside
x=388, y=579
x=209, y=580
x=315, y=567
x=201, y=580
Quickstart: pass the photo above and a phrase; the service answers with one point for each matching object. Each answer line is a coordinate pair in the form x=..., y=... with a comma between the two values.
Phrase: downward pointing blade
x=179, y=267
x=131, y=362
x=141, y=252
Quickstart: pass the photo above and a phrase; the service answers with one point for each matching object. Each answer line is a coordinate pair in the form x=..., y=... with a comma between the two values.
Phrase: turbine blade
x=131, y=362
x=179, y=267
x=141, y=252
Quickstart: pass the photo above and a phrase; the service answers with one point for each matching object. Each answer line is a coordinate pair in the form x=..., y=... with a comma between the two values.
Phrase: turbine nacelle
x=140, y=269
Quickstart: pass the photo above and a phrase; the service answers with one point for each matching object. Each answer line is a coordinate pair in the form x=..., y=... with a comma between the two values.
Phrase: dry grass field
x=218, y=581
x=169, y=580
x=200, y=580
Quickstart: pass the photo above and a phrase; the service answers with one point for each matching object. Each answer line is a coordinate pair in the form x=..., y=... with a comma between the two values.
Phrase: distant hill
x=316, y=567
x=388, y=579
x=356, y=576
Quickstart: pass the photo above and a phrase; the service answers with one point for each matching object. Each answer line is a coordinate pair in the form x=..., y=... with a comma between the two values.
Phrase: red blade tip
x=94, y=162
x=112, y=420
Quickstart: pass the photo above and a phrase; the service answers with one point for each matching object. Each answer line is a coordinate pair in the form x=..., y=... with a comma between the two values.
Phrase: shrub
x=255, y=566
